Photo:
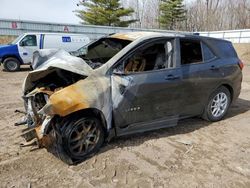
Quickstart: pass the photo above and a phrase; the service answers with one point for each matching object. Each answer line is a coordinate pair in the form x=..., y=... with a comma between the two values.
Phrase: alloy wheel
x=84, y=137
x=219, y=104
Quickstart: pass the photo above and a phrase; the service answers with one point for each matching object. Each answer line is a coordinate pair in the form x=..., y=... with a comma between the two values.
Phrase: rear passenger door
x=200, y=75
x=211, y=73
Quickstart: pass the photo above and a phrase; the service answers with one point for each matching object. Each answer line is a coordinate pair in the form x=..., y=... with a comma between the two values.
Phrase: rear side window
x=222, y=48
x=227, y=49
x=190, y=51
x=207, y=53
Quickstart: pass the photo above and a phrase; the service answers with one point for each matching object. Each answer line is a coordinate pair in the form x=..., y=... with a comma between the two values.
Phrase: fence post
x=223, y=36
x=240, y=36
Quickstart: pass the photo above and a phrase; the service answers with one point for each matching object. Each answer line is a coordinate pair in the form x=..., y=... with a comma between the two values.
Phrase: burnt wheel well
x=85, y=112
x=94, y=112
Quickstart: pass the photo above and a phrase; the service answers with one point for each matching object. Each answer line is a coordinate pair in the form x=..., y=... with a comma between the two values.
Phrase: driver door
x=147, y=96
x=26, y=48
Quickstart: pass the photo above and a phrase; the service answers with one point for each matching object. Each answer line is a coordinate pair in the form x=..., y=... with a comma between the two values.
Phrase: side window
x=29, y=40
x=207, y=53
x=155, y=56
x=190, y=51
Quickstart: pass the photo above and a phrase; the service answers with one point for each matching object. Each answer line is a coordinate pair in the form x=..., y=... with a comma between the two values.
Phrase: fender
x=10, y=51
x=81, y=96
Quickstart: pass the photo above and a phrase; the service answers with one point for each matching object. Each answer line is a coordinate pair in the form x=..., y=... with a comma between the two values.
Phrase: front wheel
x=218, y=104
x=11, y=64
x=78, y=138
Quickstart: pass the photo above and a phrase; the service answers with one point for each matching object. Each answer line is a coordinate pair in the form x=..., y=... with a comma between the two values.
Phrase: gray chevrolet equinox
x=126, y=83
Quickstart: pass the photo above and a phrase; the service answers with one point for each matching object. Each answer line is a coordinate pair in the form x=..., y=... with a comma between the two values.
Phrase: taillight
x=241, y=64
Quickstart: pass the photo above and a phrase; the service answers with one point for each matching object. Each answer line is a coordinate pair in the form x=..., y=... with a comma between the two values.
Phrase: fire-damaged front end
x=34, y=102
x=69, y=100
x=62, y=86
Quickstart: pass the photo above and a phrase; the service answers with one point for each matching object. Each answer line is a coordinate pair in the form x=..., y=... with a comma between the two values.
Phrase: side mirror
x=22, y=43
x=119, y=69
x=118, y=72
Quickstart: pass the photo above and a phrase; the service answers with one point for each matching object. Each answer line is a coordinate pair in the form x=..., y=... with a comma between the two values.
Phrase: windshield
x=99, y=52
x=83, y=50
x=17, y=39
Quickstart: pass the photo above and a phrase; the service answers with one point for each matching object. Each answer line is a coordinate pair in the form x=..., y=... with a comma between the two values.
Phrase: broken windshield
x=99, y=52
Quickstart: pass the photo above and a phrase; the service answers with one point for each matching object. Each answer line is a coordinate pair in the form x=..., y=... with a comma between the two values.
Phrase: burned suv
x=123, y=84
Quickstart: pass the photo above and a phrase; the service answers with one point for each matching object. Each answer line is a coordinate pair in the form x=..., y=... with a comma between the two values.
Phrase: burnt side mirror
x=118, y=72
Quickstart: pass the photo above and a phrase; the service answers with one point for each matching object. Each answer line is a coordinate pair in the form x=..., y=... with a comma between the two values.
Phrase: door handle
x=213, y=67
x=171, y=77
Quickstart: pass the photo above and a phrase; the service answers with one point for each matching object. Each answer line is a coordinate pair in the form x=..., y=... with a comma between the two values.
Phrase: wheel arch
x=230, y=89
x=206, y=115
x=12, y=56
x=226, y=85
x=84, y=112
x=97, y=113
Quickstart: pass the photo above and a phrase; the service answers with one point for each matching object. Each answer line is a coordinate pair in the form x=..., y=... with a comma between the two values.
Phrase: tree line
x=186, y=15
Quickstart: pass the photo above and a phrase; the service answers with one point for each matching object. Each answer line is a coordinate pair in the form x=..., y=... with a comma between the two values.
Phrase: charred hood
x=55, y=67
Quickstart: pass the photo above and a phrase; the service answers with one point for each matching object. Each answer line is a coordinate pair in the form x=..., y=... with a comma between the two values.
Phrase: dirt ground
x=195, y=153
x=6, y=39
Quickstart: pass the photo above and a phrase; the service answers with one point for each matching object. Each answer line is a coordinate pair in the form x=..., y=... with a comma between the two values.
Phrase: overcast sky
x=59, y=11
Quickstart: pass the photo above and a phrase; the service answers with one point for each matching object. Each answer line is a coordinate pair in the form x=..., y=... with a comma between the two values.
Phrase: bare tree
x=146, y=12
x=202, y=15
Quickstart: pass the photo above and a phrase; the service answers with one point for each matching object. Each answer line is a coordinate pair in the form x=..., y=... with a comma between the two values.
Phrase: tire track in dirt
x=193, y=154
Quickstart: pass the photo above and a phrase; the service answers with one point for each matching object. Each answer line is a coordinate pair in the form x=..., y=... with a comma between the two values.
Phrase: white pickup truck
x=20, y=51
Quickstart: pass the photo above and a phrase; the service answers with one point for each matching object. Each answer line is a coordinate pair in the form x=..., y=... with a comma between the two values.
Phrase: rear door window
x=190, y=51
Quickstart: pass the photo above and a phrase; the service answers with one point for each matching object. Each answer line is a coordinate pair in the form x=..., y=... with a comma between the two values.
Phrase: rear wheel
x=218, y=104
x=11, y=64
x=77, y=138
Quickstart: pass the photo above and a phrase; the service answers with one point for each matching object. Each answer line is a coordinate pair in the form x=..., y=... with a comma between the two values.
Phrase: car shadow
x=182, y=127
x=23, y=69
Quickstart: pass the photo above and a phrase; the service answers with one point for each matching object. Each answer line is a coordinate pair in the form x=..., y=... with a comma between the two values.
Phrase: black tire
x=215, y=111
x=11, y=64
x=65, y=148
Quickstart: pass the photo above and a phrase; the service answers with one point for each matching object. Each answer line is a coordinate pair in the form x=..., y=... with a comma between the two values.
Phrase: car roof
x=138, y=35
x=132, y=36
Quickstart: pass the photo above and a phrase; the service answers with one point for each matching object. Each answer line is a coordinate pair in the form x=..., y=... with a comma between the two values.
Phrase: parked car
x=127, y=83
x=20, y=51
